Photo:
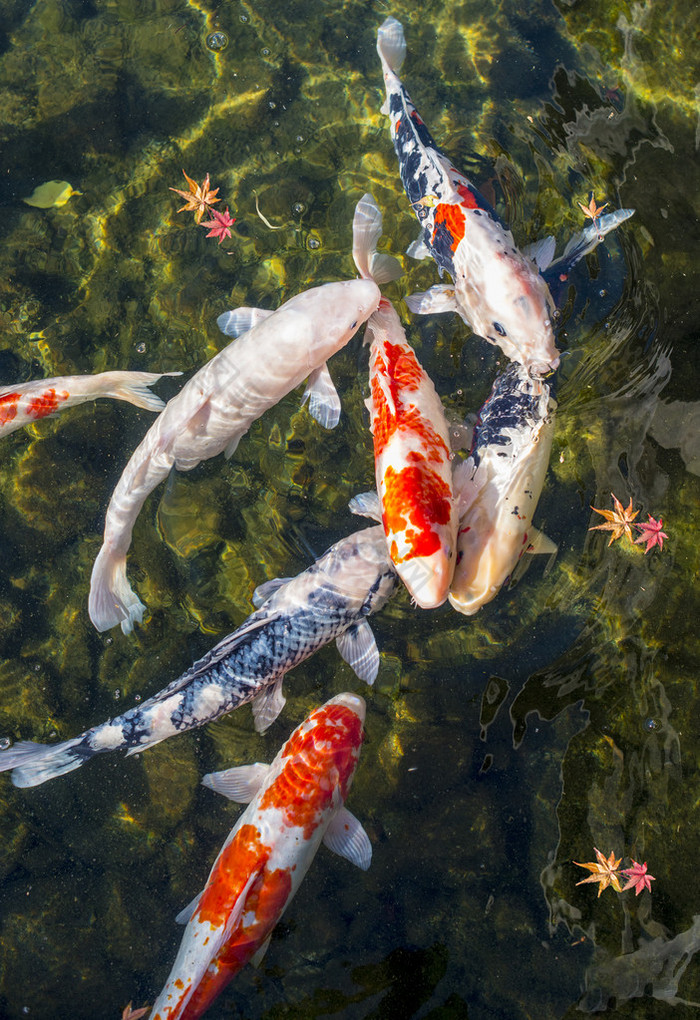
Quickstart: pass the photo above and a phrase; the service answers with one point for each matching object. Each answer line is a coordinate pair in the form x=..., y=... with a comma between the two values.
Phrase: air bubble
x=651, y=724
x=313, y=243
x=216, y=41
x=5, y=742
x=272, y=104
x=117, y=694
x=244, y=18
x=298, y=208
x=602, y=293
x=265, y=52
x=140, y=348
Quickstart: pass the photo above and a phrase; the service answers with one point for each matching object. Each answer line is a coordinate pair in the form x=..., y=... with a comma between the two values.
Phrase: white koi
x=216, y=407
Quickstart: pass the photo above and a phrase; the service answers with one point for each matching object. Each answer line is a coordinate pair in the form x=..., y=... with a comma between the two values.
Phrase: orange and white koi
x=497, y=290
x=499, y=486
x=27, y=402
x=412, y=462
x=294, y=804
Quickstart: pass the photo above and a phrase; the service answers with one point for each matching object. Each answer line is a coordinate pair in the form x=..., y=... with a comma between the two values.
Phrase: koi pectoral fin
x=346, y=837
x=267, y=589
x=418, y=249
x=239, y=784
x=240, y=320
x=359, y=649
x=324, y=402
x=268, y=705
x=439, y=299
x=366, y=504
x=539, y=543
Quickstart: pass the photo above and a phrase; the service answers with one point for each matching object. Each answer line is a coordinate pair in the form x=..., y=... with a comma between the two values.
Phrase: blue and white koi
x=294, y=805
x=216, y=407
x=25, y=403
x=497, y=290
x=331, y=600
x=499, y=486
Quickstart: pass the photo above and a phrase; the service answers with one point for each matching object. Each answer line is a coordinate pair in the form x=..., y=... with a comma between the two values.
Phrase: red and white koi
x=294, y=804
x=216, y=407
x=25, y=403
x=497, y=290
x=499, y=485
x=412, y=462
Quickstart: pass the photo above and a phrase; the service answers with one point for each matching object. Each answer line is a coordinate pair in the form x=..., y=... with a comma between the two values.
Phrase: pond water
x=501, y=747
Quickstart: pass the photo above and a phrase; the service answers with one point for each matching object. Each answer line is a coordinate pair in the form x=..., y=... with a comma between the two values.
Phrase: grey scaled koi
x=328, y=601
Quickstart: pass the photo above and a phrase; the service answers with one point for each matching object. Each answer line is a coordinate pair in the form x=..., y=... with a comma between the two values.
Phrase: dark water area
x=501, y=747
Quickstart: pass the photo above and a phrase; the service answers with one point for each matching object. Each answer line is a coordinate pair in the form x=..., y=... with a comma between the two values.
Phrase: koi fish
x=330, y=600
x=24, y=403
x=499, y=486
x=294, y=805
x=497, y=290
x=274, y=353
x=412, y=462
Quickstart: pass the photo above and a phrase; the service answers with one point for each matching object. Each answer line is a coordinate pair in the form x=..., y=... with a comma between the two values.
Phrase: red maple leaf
x=220, y=226
x=651, y=533
x=637, y=877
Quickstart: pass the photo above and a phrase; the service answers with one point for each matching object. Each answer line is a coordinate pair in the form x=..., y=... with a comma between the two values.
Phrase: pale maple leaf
x=134, y=1014
x=604, y=871
x=618, y=521
x=592, y=211
x=651, y=533
x=220, y=226
x=198, y=199
x=637, y=877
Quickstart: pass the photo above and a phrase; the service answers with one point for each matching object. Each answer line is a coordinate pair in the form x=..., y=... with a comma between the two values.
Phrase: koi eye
x=499, y=329
x=353, y=326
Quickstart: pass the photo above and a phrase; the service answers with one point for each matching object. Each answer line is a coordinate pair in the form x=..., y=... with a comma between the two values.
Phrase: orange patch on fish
x=296, y=790
x=245, y=854
x=453, y=218
x=468, y=197
x=8, y=407
x=421, y=492
x=46, y=403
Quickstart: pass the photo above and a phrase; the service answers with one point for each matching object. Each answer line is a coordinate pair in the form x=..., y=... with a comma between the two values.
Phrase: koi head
x=337, y=310
x=323, y=752
x=516, y=313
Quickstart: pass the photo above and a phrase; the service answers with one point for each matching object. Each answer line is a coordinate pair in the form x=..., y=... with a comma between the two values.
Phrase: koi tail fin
x=112, y=599
x=391, y=44
x=133, y=387
x=366, y=231
x=33, y=764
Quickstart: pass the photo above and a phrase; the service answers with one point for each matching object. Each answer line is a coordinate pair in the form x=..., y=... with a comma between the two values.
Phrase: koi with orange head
x=294, y=804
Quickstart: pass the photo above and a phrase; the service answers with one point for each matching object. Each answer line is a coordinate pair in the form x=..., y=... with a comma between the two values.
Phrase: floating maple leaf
x=651, y=533
x=592, y=211
x=637, y=877
x=604, y=871
x=199, y=198
x=618, y=521
x=134, y=1014
x=220, y=226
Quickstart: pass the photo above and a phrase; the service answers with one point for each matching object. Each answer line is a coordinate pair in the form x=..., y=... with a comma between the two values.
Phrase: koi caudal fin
x=133, y=387
x=391, y=44
x=366, y=231
x=112, y=600
x=33, y=764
